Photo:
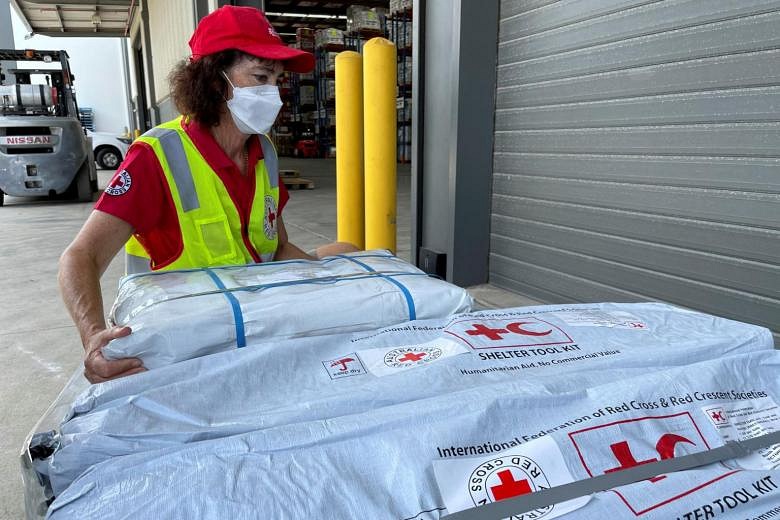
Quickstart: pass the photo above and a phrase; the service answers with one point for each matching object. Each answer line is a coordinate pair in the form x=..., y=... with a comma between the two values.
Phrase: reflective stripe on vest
x=135, y=264
x=213, y=216
x=177, y=162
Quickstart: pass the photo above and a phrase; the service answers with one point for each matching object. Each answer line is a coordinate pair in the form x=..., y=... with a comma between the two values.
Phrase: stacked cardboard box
x=328, y=38
x=400, y=6
x=361, y=18
x=405, y=70
x=306, y=96
x=401, y=33
x=304, y=37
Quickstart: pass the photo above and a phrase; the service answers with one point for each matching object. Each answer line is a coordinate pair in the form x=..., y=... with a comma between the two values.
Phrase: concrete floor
x=39, y=345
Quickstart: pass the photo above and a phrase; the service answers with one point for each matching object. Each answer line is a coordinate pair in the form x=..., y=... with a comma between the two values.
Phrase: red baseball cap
x=246, y=29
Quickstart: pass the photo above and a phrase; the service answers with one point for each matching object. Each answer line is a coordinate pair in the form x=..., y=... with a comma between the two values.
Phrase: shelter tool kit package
x=453, y=451
x=358, y=425
x=185, y=314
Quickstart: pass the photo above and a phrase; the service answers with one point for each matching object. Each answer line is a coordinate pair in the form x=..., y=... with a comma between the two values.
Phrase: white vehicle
x=109, y=149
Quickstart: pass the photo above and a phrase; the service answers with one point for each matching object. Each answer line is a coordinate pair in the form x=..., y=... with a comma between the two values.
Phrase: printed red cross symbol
x=717, y=416
x=481, y=330
x=664, y=447
x=271, y=218
x=509, y=487
x=411, y=356
x=118, y=182
x=495, y=334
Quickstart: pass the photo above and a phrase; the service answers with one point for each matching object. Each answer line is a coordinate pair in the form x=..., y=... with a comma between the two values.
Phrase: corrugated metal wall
x=171, y=23
x=637, y=153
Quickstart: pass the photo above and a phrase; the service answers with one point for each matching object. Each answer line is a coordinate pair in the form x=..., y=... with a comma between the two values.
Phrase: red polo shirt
x=139, y=194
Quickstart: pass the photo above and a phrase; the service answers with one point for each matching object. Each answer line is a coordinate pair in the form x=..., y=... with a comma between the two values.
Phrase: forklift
x=44, y=148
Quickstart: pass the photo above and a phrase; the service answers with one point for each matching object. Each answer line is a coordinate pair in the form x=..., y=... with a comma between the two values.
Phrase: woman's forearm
x=79, y=280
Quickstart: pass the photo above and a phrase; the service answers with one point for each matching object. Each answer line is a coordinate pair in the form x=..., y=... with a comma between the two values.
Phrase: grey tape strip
x=43, y=96
x=136, y=264
x=19, y=95
x=271, y=160
x=558, y=494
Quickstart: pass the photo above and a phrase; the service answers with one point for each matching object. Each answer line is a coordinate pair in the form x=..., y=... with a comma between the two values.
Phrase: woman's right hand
x=97, y=368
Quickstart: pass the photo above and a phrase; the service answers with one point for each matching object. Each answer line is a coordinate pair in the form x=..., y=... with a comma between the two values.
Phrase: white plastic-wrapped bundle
x=185, y=314
x=545, y=349
x=428, y=457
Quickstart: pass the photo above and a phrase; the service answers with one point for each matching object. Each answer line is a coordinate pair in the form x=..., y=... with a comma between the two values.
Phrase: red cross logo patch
x=625, y=444
x=120, y=184
x=409, y=356
x=507, y=477
x=269, y=223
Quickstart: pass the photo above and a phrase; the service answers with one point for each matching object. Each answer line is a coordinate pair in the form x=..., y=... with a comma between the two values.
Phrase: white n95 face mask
x=254, y=109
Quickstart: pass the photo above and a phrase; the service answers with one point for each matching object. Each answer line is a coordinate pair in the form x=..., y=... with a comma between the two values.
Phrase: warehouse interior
x=549, y=152
x=473, y=126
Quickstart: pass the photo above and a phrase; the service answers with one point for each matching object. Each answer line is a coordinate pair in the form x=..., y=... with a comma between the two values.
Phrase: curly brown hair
x=198, y=87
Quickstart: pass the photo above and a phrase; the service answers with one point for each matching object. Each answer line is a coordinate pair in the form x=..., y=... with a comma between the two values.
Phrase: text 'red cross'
x=411, y=356
x=509, y=487
x=481, y=330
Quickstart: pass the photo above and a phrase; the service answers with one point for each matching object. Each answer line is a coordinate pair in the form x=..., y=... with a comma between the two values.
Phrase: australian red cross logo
x=120, y=184
x=625, y=444
x=403, y=357
x=269, y=223
x=508, y=477
x=521, y=331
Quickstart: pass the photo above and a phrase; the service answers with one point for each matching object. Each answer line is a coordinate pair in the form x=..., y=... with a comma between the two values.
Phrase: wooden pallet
x=297, y=183
x=289, y=173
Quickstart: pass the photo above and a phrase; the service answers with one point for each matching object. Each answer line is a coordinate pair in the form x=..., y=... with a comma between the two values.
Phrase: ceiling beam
x=76, y=33
x=59, y=17
x=123, y=3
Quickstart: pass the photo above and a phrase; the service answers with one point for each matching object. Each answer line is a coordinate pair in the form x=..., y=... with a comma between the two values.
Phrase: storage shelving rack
x=325, y=96
x=400, y=29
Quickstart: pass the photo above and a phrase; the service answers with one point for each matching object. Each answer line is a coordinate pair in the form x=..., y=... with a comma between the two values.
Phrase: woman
x=199, y=191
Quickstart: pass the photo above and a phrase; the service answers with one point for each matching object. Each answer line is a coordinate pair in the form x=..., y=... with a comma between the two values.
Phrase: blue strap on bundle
x=402, y=287
x=238, y=316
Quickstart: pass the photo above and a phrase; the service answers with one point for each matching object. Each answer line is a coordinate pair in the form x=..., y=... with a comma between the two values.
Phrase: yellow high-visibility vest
x=208, y=218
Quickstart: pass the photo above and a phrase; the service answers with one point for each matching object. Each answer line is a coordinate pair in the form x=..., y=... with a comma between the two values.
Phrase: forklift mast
x=63, y=94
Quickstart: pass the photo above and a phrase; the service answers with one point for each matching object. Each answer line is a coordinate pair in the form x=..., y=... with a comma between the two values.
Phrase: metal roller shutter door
x=637, y=153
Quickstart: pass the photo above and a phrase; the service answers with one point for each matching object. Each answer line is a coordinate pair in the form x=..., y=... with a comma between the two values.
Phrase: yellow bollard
x=350, y=217
x=379, y=123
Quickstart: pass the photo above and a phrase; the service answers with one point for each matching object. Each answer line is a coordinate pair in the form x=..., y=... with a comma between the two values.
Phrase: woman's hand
x=81, y=266
x=97, y=368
